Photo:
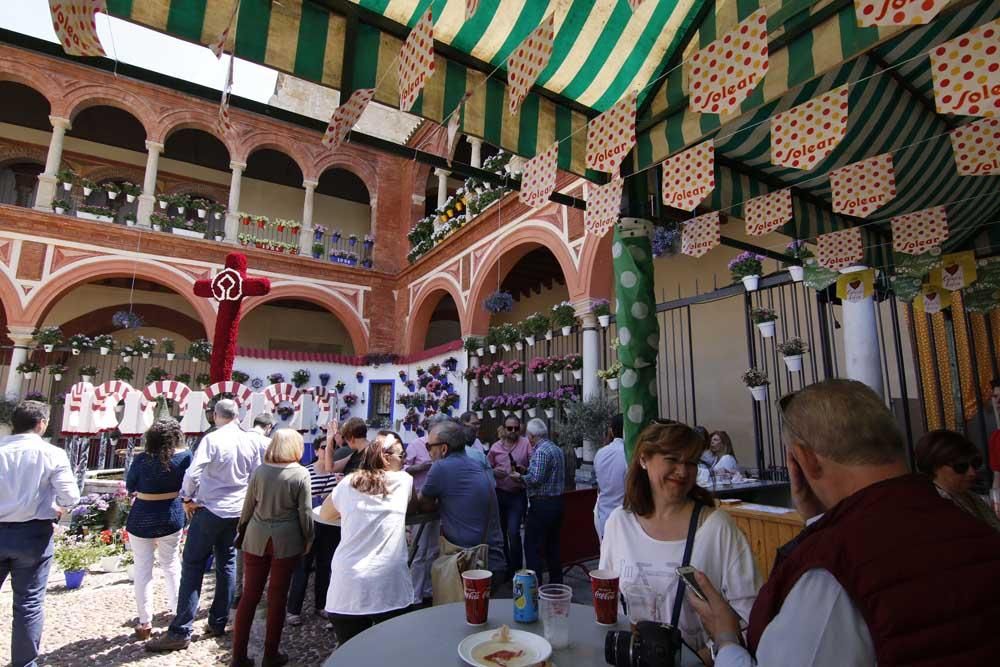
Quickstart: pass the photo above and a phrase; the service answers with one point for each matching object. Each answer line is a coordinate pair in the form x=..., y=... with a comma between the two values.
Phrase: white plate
x=317, y=518
x=537, y=648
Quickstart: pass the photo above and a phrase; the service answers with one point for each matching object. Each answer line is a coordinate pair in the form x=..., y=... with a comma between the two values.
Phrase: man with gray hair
x=213, y=491
x=545, y=480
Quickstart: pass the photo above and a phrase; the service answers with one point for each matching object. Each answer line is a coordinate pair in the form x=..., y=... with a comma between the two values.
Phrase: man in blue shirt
x=545, y=480
x=458, y=486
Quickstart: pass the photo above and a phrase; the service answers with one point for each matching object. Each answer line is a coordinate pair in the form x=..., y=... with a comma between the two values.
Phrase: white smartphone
x=686, y=573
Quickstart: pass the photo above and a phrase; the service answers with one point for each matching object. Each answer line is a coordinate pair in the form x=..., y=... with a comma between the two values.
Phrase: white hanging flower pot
x=532, y=412
x=76, y=352
x=507, y=413
x=493, y=413
x=48, y=348
x=577, y=374
x=129, y=222
x=751, y=282
x=157, y=228
x=180, y=210
x=486, y=380
x=517, y=377
x=797, y=273
x=125, y=360
x=59, y=210
x=130, y=198
x=506, y=347
x=104, y=351
x=500, y=378
x=145, y=355
x=566, y=330
x=793, y=362
x=86, y=378
x=480, y=351
x=479, y=414
x=163, y=204
x=540, y=377
x=518, y=346
x=766, y=329
x=550, y=412
x=57, y=376
x=548, y=335
x=759, y=393
x=218, y=216
x=201, y=213
x=171, y=355
x=604, y=320
x=87, y=191
x=530, y=340
x=493, y=349
x=112, y=195
x=218, y=237
x=28, y=375
x=67, y=186
x=612, y=383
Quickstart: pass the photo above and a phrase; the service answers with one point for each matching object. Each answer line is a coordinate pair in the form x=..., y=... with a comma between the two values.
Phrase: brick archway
x=364, y=171
x=159, y=317
x=423, y=306
x=88, y=270
x=96, y=94
x=526, y=237
x=190, y=119
x=34, y=78
x=10, y=301
x=596, y=268
x=260, y=140
x=335, y=305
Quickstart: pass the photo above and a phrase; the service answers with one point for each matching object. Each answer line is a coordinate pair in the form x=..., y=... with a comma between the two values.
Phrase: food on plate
x=502, y=635
x=503, y=657
x=502, y=651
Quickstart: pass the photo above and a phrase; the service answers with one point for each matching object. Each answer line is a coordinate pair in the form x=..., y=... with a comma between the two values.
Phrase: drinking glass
x=554, y=602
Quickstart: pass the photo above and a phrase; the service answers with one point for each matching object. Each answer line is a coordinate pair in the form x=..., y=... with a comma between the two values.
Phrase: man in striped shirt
x=545, y=480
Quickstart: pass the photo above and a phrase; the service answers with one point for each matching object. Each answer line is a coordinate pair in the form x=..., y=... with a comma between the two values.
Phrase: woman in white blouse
x=722, y=449
x=644, y=540
x=369, y=579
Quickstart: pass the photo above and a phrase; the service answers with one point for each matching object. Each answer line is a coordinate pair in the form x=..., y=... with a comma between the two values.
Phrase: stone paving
x=93, y=626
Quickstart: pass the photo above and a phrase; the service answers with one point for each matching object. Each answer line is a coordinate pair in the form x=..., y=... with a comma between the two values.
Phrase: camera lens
x=618, y=648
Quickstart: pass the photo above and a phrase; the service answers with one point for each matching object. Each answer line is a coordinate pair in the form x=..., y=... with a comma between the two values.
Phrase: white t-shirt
x=727, y=463
x=720, y=550
x=369, y=574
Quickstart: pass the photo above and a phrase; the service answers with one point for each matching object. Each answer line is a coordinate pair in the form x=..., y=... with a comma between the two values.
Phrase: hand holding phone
x=686, y=573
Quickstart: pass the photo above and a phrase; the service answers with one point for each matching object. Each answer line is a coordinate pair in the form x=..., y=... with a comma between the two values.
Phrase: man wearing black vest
x=886, y=571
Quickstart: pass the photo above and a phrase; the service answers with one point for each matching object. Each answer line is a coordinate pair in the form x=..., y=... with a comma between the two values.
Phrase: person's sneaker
x=213, y=631
x=294, y=619
x=167, y=642
x=274, y=660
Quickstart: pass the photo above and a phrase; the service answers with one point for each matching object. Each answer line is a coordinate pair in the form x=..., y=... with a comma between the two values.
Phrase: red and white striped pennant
x=528, y=60
x=219, y=44
x=224, y=119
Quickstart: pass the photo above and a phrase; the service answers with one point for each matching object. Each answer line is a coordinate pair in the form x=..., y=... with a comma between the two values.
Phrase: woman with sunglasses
x=953, y=462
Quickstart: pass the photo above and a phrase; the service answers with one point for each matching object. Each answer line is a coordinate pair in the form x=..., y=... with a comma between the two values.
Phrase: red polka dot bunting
x=916, y=233
x=977, y=148
x=528, y=60
x=224, y=120
x=861, y=188
x=767, y=213
x=966, y=72
x=838, y=250
x=416, y=61
x=346, y=116
x=897, y=12
x=724, y=73
x=701, y=234
x=689, y=177
x=804, y=135
x=220, y=42
x=604, y=204
x=453, y=122
x=611, y=136
x=538, y=179
x=76, y=25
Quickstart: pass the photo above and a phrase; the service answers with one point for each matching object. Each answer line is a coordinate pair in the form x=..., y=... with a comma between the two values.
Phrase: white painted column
x=47, y=180
x=306, y=233
x=591, y=352
x=477, y=151
x=233, y=207
x=861, y=347
x=147, y=200
x=442, y=186
x=473, y=386
x=19, y=354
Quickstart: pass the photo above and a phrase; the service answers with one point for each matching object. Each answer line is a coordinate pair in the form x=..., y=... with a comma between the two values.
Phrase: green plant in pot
x=474, y=345
x=535, y=326
x=764, y=318
x=66, y=178
x=88, y=373
x=800, y=252
x=756, y=381
x=61, y=206
x=73, y=555
x=748, y=267
x=508, y=335
x=57, y=371
x=169, y=347
x=493, y=339
x=48, y=337
x=564, y=317
x=602, y=309
x=28, y=369
x=124, y=373
x=610, y=375
x=792, y=351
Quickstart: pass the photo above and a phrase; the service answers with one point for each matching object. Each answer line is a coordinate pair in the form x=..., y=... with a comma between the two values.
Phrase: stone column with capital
x=442, y=176
x=47, y=180
x=473, y=385
x=235, y=180
x=477, y=151
x=591, y=352
x=147, y=200
x=306, y=233
x=861, y=348
x=22, y=345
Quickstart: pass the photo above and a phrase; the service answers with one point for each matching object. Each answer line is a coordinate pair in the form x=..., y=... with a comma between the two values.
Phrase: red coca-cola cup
x=604, y=587
x=477, y=595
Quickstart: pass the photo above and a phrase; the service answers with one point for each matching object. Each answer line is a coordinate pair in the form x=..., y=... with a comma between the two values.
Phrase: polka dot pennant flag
x=470, y=8
x=804, y=135
x=611, y=136
x=453, y=122
x=977, y=148
x=220, y=43
x=76, y=25
x=897, y=12
x=346, y=116
x=966, y=73
x=689, y=177
x=725, y=72
x=528, y=60
x=838, y=250
x=538, y=179
x=604, y=204
x=766, y=213
x=227, y=89
x=416, y=61
x=916, y=233
x=860, y=188
x=701, y=234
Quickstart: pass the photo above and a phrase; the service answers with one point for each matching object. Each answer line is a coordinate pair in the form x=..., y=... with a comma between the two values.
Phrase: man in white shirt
x=609, y=469
x=36, y=476
x=213, y=491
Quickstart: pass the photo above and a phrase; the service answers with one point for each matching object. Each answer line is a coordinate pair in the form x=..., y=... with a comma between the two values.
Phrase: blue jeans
x=208, y=534
x=320, y=557
x=541, y=536
x=26, y=555
x=512, y=507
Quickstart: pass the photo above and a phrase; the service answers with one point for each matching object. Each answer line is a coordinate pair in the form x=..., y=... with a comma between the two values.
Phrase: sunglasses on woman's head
x=663, y=422
x=962, y=467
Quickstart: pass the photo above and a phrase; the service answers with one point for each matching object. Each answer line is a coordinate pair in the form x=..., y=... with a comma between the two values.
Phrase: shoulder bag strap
x=679, y=599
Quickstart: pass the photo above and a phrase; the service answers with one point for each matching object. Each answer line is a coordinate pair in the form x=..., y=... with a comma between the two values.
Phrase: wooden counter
x=766, y=531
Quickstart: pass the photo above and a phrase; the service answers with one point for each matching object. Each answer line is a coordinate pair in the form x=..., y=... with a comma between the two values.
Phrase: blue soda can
x=525, y=596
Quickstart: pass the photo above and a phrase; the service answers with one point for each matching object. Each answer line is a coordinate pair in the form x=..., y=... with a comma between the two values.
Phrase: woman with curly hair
x=157, y=516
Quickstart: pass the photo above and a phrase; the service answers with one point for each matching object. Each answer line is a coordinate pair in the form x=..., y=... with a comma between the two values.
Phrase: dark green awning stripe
x=251, y=29
x=311, y=50
x=562, y=45
x=366, y=64
x=454, y=86
x=495, y=109
x=528, y=130
x=186, y=18
x=564, y=128
x=527, y=20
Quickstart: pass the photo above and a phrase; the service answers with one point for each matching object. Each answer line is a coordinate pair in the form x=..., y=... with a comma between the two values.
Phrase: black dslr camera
x=649, y=645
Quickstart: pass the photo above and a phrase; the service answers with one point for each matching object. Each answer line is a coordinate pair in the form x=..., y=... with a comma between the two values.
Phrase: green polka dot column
x=638, y=327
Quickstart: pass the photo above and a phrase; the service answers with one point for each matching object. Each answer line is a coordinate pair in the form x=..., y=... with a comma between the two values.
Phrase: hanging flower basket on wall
x=499, y=302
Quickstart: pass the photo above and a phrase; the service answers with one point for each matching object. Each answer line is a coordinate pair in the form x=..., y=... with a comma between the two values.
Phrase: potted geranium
x=156, y=374
x=610, y=375
x=574, y=363
x=515, y=369
x=60, y=206
x=747, y=266
x=486, y=373
x=48, y=337
x=799, y=251
x=301, y=377
x=79, y=343
x=539, y=366
x=547, y=401
x=201, y=206
x=564, y=317
x=159, y=221
x=557, y=365
x=66, y=177
x=127, y=353
x=88, y=373
x=203, y=379
x=493, y=339
x=533, y=326
x=489, y=405
x=349, y=400
x=130, y=219
x=499, y=370
x=474, y=345
x=317, y=250
x=792, y=351
x=104, y=343
x=756, y=381
x=144, y=346
x=180, y=202
x=764, y=318
x=200, y=350
x=28, y=369
x=602, y=308
x=529, y=402
x=276, y=378
x=499, y=302
x=98, y=213
x=471, y=373
x=112, y=189
x=87, y=185
x=239, y=376
x=57, y=371
x=124, y=373
x=131, y=191
x=163, y=200
x=169, y=348
x=73, y=555
x=508, y=335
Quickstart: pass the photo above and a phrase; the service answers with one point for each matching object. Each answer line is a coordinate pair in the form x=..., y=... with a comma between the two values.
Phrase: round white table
x=430, y=637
